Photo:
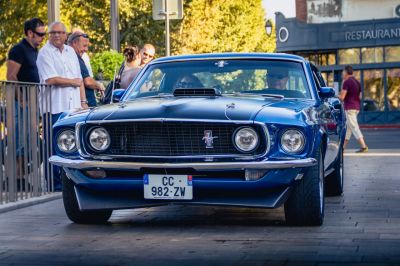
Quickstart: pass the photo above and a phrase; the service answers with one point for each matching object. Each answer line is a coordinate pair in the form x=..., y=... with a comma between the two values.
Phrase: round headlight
x=66, y=141
x=246, y=139
x=292, y=141
x=99, y=139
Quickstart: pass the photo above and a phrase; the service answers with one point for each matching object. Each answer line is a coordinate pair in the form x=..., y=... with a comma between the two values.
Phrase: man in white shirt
x=58, y=66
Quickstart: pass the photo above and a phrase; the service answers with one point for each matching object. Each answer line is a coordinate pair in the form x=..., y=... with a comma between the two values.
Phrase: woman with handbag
x=131, y=65
x=126, y=73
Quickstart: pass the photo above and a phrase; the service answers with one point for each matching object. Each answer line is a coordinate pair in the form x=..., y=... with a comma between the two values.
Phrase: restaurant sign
x=375, y=34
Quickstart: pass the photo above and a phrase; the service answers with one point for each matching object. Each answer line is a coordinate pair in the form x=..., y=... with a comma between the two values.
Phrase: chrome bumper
x=84, y=164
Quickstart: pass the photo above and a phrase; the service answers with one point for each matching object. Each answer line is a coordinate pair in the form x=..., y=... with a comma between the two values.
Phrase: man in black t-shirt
x=21, y=66
x=21, y=61
x=79, y=41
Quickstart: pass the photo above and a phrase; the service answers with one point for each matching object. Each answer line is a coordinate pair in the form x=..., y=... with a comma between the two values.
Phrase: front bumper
x=270, y=191
x=86, y=164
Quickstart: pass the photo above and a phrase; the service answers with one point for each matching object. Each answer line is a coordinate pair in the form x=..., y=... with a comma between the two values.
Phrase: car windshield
x=233, y=77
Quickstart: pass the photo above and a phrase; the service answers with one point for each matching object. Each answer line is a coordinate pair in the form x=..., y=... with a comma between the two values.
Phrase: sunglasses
x=148, y=55
x=40, y=34
x=80, y=35
x=57, y=32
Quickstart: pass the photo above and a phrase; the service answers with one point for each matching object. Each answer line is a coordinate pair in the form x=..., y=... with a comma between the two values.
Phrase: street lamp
x=268, y=27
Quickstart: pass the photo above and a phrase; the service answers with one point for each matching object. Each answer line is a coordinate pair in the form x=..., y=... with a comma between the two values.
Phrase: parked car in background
x=245, y=130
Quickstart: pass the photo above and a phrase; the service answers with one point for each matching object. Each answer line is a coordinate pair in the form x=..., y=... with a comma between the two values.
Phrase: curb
x=11, y=206
x=393, y=126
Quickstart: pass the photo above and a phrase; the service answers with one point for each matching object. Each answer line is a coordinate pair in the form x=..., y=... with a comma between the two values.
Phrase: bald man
x=147, y=53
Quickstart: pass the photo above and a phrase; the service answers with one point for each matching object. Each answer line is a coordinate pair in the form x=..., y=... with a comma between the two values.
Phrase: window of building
x=349, y=56
x=393, y=88
x=372, y=55
x=320, y=59
x=326, y=59
x=373, y=90
x=392, y=54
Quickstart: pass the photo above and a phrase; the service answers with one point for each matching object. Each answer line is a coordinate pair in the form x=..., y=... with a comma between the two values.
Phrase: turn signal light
x=96, y=173
x=253, y=175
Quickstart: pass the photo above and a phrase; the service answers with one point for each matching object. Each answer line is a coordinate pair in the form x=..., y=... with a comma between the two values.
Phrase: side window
x=319, y=81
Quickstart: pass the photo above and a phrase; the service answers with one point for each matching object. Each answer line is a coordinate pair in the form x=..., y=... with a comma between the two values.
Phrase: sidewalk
x=29, y=202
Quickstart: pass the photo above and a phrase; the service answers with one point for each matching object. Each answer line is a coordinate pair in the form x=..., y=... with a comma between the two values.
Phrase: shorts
x=352, y=124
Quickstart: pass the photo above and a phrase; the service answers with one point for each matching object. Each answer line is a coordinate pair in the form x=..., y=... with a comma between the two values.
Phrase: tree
x=222, y=26
x=13, y=15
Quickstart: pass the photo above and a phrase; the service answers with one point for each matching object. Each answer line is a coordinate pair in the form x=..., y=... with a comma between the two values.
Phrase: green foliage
x=12, y=18
x=106, y=63
x=91, y=16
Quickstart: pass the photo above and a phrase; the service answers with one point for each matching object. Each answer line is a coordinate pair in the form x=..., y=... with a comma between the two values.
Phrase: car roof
x=281, y=56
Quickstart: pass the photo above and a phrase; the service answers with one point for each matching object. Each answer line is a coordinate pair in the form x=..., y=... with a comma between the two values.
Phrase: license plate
x=168, y=187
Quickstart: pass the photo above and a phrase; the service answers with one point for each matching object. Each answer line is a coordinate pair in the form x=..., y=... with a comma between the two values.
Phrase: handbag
x=113, y=85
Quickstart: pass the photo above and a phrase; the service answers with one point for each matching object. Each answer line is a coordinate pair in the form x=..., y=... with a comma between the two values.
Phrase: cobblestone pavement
x=361, y=228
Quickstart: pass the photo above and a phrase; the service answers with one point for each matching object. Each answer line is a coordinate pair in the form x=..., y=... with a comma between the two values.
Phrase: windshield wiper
x=265, y=95
x=159, y=95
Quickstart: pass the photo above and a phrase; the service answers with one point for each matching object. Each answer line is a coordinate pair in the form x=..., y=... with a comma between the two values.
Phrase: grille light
x=246, y=139
x=292, y=141
x=66, y=141
x=99, y=139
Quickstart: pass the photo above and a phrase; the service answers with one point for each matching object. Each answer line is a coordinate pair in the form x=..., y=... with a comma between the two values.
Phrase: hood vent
x=196, y=92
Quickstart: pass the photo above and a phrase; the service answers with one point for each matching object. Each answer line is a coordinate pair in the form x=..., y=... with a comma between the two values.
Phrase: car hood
x=212, y=108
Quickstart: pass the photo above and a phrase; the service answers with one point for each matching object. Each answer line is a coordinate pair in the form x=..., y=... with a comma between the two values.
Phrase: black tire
x=306, y=203
x=72, y=208
x=334, y=181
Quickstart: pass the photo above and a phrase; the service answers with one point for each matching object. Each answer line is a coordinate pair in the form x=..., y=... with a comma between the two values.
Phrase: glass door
x=373, y=93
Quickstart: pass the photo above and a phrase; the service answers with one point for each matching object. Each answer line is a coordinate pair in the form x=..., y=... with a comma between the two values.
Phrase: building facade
x=362, y=33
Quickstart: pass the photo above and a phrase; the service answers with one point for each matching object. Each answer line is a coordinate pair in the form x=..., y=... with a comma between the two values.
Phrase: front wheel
x=72, y=208
x=305, y=205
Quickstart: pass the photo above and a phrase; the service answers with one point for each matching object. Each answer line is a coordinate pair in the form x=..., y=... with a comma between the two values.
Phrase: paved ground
x=379, y=139
x=361, y=228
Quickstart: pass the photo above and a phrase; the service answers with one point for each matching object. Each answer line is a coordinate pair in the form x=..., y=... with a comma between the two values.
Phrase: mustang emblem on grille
x=209, y=139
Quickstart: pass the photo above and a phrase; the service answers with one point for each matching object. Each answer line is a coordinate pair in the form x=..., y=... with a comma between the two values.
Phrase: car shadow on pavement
x=178, y=216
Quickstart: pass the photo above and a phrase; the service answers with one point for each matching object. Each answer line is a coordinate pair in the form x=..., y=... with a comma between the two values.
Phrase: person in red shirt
x=350, y=95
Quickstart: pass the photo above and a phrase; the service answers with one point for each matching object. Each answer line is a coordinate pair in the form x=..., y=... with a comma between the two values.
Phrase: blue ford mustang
x=246, y=130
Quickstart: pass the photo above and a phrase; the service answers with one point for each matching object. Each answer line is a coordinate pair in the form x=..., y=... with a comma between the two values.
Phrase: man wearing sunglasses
x=147, y=54
x=21, y=61
x=21, y=66
x=277, y=78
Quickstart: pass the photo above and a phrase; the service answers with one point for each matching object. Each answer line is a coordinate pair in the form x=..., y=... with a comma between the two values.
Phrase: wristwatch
x=84, y=101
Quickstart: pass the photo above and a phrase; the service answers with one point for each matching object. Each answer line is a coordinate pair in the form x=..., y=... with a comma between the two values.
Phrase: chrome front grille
x=173, y=139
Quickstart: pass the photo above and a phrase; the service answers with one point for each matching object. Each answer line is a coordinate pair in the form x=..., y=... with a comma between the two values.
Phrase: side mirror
x=117, y=95
x=326, y=92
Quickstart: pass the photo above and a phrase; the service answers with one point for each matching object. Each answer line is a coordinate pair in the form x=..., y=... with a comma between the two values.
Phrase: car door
x=329, y=113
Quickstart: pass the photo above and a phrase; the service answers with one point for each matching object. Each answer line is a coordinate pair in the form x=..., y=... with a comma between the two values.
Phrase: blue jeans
x=56, y=169
x=18, y=119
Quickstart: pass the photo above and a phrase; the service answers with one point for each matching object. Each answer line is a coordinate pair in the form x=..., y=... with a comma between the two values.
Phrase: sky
x=287, y=7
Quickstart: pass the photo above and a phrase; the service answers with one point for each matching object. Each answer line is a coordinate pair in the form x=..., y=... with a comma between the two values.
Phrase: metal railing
x=25, y=142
